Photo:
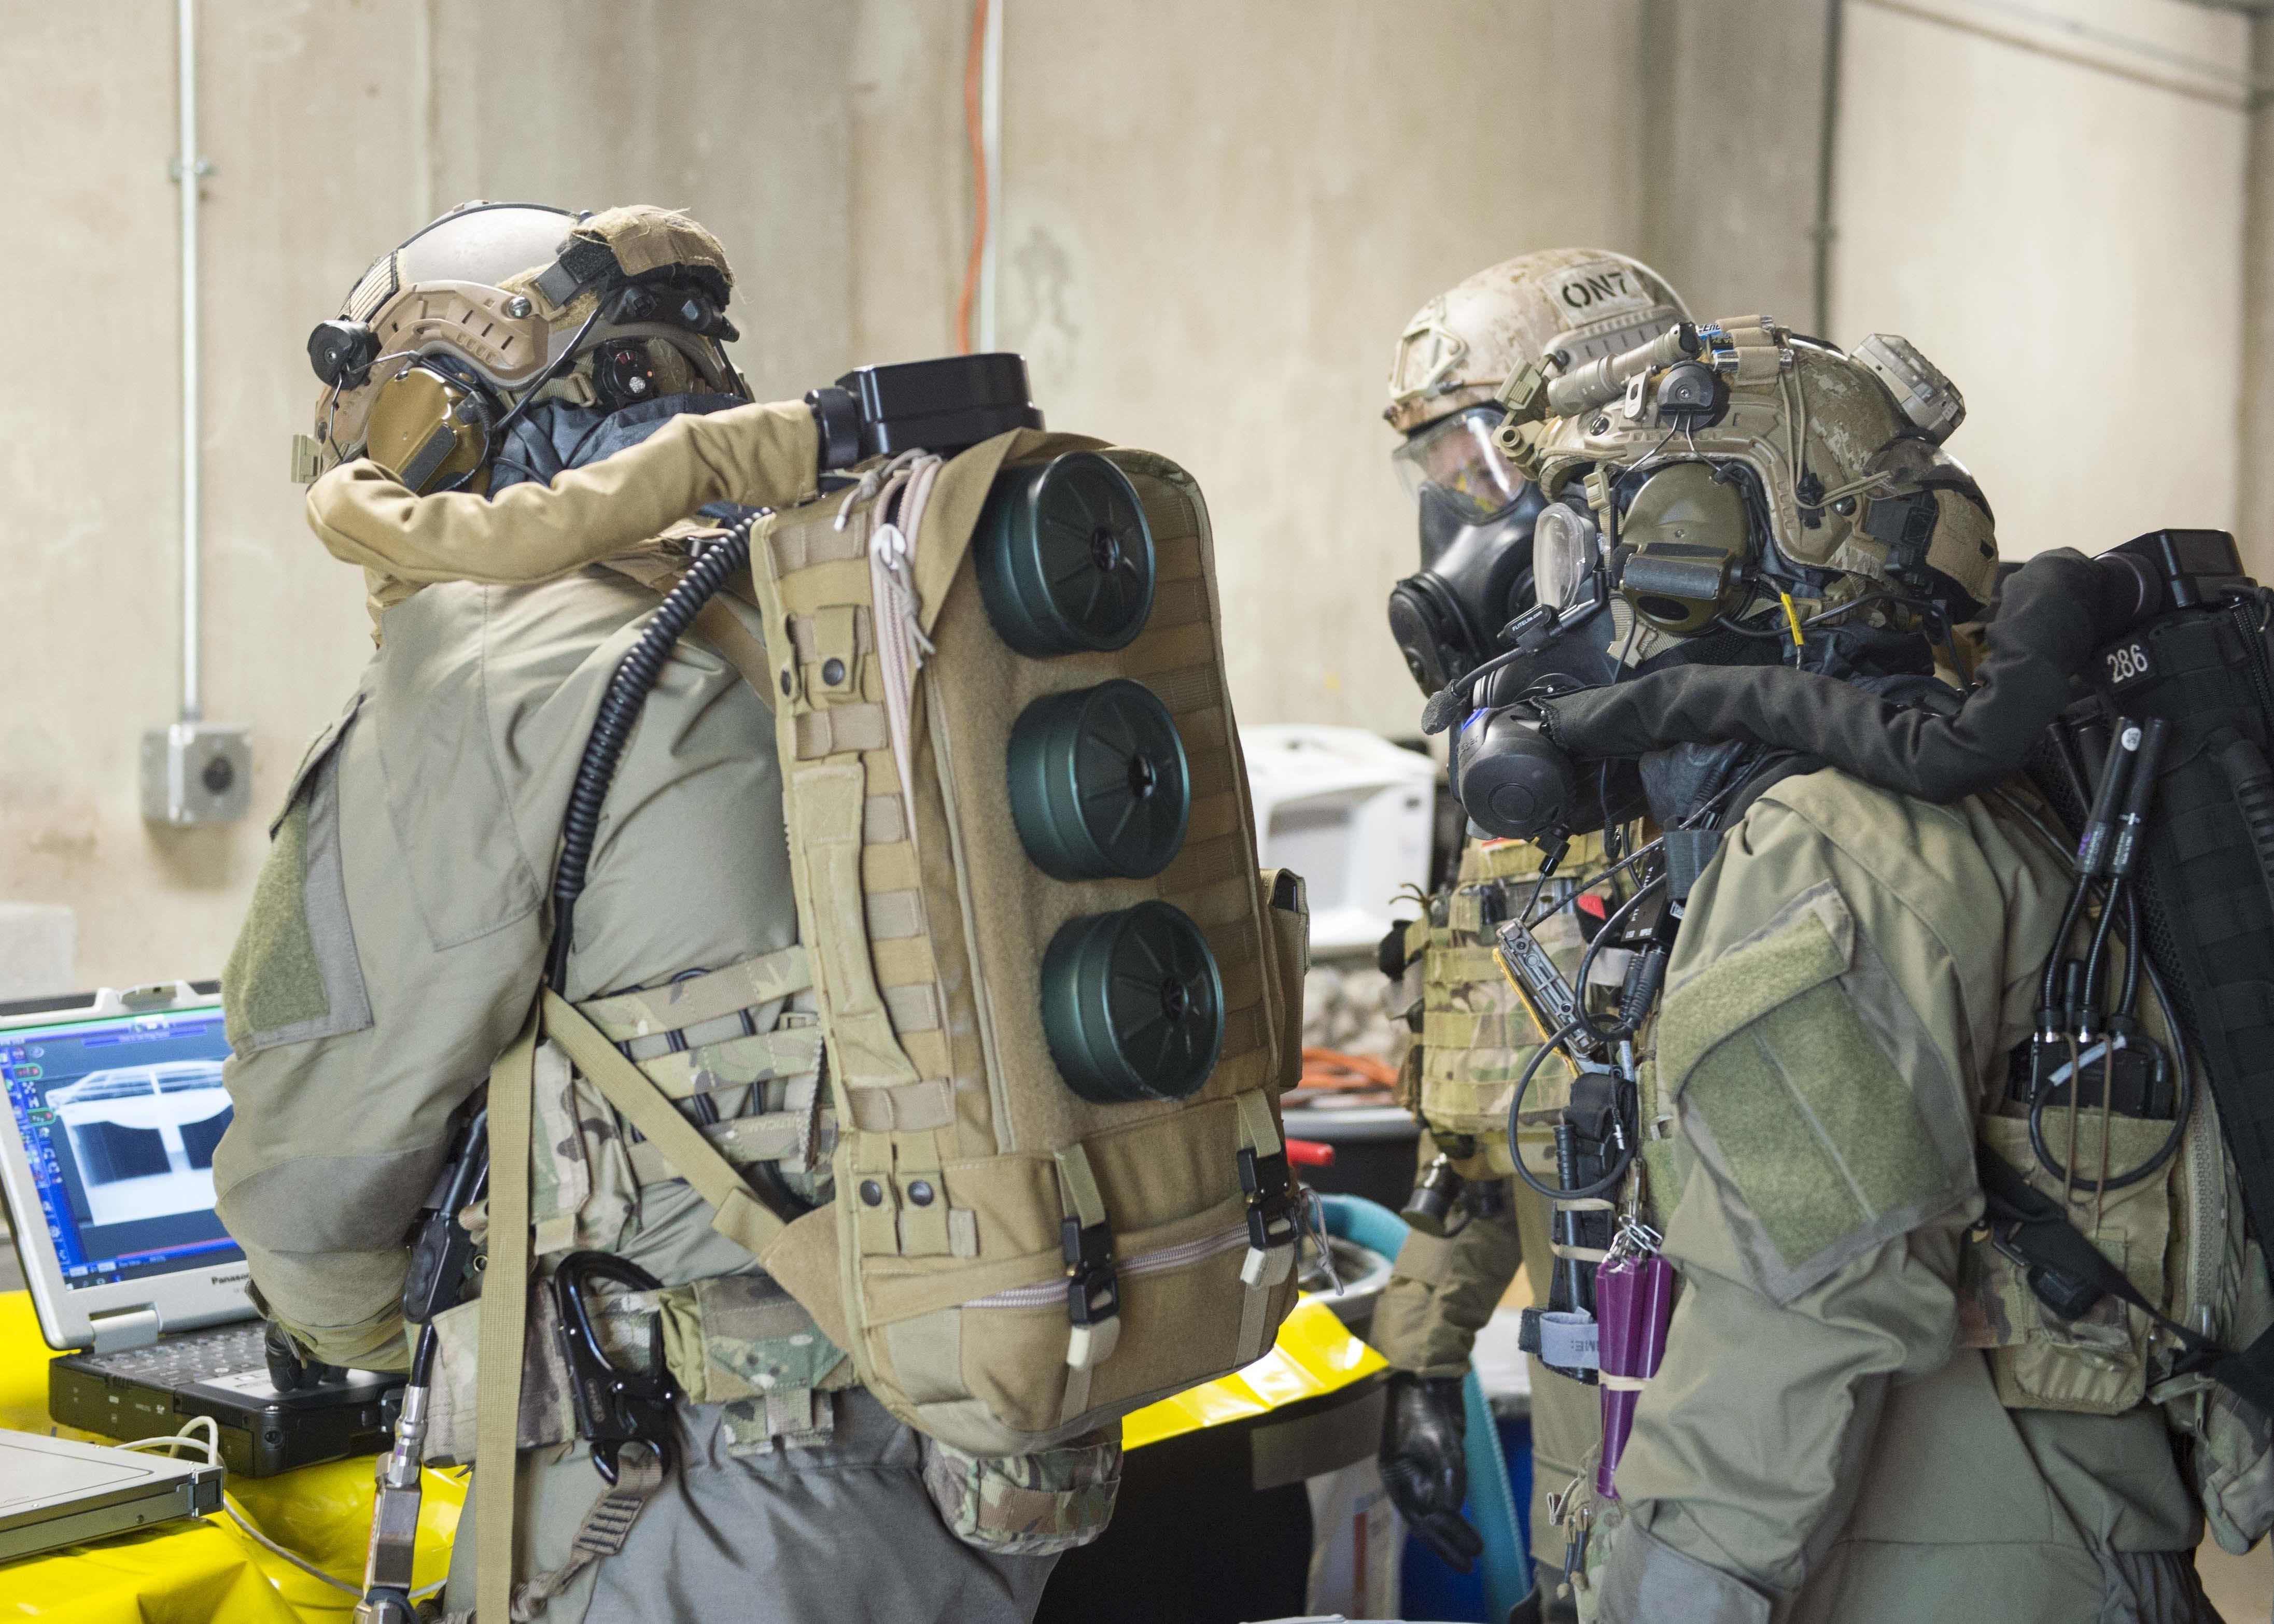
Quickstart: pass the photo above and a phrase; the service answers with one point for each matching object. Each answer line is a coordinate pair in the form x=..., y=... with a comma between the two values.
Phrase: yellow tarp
x=1314, y=1355
x=209, y=1572
x=204, y=1573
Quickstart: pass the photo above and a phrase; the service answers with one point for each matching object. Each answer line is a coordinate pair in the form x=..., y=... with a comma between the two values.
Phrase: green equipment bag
x=1058, y=999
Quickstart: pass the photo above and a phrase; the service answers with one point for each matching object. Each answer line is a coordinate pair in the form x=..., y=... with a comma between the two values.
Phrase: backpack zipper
x=1046, y=1293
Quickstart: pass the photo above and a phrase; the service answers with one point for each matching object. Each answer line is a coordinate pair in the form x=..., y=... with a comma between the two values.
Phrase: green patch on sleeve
x=1814, y=1129
x=273, y=979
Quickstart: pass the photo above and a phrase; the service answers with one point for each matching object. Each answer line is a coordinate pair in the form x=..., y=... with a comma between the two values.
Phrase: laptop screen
x=119, y=1116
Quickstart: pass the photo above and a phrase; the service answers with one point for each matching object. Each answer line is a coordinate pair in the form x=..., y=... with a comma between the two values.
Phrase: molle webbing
x=1476, y=1035
x=726, y=1029
x=963, y=1153
x=694, y=1010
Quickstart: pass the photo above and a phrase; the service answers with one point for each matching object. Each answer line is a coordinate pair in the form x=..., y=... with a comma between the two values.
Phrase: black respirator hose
x=2057, y=611
x=620, y=709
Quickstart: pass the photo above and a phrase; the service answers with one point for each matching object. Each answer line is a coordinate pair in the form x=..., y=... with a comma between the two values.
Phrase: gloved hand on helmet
x=1423, y=1468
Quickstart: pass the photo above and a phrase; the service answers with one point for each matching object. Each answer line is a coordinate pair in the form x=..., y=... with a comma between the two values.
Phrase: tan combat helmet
x=1734, y=467
x=1462, y=345
x=494, y=305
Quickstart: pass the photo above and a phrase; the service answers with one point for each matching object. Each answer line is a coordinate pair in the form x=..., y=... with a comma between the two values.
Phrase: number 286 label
x=2127, y=664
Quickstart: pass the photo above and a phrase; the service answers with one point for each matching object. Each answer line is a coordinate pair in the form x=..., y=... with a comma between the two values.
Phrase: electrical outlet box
x=197, y=772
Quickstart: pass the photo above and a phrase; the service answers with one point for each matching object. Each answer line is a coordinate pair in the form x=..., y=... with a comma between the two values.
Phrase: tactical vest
x=1058, y=999
x=1476, y=1035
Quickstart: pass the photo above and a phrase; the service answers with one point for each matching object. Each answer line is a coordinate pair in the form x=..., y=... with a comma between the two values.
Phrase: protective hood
x=2056, y=611
x=554, y=436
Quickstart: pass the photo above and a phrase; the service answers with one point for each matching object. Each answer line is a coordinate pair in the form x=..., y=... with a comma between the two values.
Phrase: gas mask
x=1476, y=514
x=1664, y=596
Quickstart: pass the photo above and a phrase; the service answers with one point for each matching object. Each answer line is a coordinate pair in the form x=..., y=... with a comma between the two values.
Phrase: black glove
x=291, y=1370
x=1422, y=1466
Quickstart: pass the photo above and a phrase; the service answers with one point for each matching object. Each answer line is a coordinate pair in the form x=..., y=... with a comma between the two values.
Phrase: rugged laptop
x=114, y=1104
x=56, y=1492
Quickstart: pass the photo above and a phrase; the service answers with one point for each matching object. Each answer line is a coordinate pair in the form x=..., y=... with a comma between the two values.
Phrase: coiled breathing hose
x=619, y=708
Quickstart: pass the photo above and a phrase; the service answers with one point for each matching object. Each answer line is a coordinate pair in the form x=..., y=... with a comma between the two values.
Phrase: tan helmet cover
x=1463, y=343
x=1852, y=484
x=503, y=287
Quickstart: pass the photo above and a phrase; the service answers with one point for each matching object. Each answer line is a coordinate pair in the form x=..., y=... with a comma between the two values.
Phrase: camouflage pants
x=839, y=1533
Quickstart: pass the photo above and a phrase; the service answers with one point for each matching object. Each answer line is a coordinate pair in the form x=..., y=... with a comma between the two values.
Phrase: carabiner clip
x=613, y=1407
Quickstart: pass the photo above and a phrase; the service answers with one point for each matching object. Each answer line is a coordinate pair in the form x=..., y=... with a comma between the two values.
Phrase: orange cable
x=974, y=70
x=1337, y=1068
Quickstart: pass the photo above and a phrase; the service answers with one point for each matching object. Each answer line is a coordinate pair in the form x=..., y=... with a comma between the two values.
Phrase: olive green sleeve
x=765, y=455
x=1442, y=1293
x=1833, y=1005
x=1748, y=1442
x=1444, y=1289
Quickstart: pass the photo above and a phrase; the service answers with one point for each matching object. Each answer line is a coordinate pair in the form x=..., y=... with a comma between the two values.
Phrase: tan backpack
x=1058, y=1011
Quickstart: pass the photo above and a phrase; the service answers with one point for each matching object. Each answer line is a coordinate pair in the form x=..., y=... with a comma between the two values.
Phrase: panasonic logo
x=228, y=1280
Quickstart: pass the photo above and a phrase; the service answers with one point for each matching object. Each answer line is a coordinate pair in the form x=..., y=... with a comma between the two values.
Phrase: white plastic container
x=1350, y=812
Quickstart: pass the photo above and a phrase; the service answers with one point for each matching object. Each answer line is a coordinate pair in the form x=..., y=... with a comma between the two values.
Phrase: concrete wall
x=1216, y=220
x=1218, y=268
x=334, y=130
x=2054, y=215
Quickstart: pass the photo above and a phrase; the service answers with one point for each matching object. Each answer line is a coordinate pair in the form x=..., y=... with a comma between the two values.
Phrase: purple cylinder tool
x=1634, y=1303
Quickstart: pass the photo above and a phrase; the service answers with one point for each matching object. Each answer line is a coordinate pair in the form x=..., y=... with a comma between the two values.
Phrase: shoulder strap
x=502, y=1323
x=714, y=622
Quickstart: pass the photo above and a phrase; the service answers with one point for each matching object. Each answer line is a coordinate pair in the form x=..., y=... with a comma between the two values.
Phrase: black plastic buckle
x=2064, y=1295
x=1093, y=1288
x=1270, y=1199
x=613, y=1407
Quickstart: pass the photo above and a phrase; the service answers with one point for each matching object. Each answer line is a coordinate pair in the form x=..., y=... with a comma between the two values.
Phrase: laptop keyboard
x=195, y=1356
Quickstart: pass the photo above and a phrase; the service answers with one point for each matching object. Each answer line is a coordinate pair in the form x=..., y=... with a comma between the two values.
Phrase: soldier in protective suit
x=1476, y=513
x=1863, y=1414
x=563, y=373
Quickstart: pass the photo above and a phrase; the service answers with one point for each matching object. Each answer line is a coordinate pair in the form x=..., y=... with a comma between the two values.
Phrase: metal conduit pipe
x=194, y=771
x=990, y=136
x=188, y=168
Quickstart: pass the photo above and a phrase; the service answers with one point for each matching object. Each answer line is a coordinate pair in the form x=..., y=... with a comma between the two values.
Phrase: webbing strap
x=1262, y=1271
x=1188, y=687
x=736, y=1212
x=1087, y=1346
x=503, y=1318
x=2036, y=1226
x=1210, y=862
x=717, y=626
x=606, y=1525
x=799, y=548
x=842, y=728
x=805, y=635
x=772, y=1136
x=727, y=990
x=1179, y=603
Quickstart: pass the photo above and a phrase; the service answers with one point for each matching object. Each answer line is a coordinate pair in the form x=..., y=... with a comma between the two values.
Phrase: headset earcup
x=426, y=427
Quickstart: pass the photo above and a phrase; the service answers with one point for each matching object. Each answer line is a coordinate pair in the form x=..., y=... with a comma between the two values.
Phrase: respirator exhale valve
x=1514, y=783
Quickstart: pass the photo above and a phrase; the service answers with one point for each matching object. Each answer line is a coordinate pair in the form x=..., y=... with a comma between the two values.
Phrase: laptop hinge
x=128, y=1328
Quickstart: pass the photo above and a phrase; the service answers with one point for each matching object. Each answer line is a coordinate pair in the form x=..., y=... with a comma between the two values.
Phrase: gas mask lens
x=1456, y=458
x=1562, y=553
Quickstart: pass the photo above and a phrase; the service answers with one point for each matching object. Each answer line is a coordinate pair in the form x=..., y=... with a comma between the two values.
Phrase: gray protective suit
x=393, y=950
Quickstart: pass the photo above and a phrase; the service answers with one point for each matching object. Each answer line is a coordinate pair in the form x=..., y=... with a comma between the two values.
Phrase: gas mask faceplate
x=1475, y=513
